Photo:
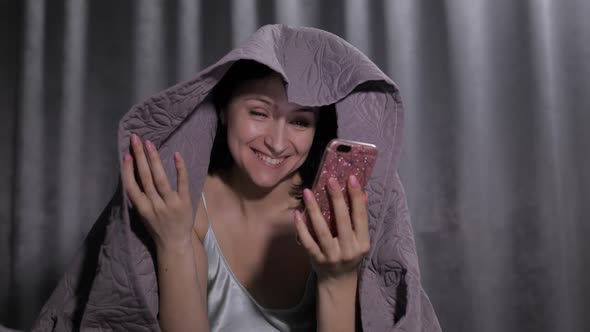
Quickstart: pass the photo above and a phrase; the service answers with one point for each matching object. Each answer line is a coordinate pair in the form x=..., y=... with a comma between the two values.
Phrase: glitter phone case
x=341, y=159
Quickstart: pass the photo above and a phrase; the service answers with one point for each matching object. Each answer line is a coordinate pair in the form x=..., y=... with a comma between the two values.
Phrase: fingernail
x=177, y=156
x=126, y=156
x=354, y=182
x=134, y=139
x=333, y=184
x=307, y=194
x=149, y=146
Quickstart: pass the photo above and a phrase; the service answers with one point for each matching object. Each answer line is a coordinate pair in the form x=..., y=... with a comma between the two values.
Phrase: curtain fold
x=495, y=160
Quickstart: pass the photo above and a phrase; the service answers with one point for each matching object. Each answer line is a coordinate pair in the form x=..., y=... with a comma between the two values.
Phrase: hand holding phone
x=341, y=159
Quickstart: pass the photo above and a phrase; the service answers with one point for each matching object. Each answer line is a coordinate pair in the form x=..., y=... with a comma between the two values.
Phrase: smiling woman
x=253, y=202
x=271, y=149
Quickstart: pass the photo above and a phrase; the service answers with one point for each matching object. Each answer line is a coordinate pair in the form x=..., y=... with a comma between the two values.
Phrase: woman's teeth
x=268, y=159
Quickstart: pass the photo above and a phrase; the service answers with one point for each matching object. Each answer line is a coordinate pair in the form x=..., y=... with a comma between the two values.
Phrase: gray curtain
x=495, y=161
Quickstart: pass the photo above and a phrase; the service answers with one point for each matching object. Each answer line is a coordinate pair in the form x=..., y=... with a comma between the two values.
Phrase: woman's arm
x=183, y=299
x=336, y=302
x=336, y=259
x=168, y=216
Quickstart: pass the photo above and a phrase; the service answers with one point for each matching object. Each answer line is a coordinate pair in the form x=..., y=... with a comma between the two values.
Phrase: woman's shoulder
x=201, y=221
x=213, y=188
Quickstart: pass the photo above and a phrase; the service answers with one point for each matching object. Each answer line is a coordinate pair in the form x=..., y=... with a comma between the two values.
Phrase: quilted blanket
x=112, y=284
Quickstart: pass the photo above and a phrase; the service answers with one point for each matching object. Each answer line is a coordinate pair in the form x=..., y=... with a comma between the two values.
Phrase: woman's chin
x=264, y=183
x=271, y=182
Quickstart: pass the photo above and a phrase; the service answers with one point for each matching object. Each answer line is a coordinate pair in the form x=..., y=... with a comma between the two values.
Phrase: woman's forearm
x=183, y=306
x=336, y=304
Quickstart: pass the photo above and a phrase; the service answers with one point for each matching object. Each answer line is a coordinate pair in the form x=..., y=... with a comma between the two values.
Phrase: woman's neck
x=256, y=203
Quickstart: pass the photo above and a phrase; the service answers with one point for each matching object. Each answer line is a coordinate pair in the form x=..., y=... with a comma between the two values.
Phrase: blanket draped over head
x=112, y=284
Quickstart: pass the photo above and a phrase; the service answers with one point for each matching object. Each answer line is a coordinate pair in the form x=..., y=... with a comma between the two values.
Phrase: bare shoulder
x=210, y=187
x=201, y=222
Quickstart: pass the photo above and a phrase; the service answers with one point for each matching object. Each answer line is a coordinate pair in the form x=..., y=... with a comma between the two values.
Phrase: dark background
x=496, y=153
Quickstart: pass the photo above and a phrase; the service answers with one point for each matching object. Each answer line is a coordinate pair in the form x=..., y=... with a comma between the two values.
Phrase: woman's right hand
x=167, y=214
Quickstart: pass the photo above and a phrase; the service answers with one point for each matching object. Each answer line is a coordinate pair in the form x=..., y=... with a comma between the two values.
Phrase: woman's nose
x=275, y=140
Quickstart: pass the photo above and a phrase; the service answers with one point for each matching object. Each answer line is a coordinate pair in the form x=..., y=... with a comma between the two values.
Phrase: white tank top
x=232, y=308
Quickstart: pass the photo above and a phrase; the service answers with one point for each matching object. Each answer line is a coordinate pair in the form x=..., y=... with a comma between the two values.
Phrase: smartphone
x=341, y=159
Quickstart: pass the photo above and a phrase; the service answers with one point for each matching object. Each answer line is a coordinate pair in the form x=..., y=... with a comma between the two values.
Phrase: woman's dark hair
x=246, y=70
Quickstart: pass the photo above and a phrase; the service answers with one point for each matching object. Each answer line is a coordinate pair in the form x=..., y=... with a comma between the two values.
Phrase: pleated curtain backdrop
x=495, y=160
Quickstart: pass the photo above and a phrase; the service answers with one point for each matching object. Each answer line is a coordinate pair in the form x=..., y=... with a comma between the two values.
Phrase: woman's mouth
x=269, y=160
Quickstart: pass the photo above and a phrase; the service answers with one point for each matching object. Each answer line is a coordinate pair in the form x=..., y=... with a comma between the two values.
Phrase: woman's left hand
x=336, y=258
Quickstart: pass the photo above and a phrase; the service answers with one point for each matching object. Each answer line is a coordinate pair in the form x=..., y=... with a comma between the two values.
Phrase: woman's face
x=268, y=137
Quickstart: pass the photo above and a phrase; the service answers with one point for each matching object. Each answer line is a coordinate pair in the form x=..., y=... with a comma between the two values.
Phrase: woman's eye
x=301, y=123
x=257, y=113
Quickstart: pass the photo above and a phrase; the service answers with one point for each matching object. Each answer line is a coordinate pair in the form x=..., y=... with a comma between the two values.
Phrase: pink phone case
x=341, y=159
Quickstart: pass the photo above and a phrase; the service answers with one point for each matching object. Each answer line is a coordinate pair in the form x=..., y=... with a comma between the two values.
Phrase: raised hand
x=167, y=214
x=337, y=257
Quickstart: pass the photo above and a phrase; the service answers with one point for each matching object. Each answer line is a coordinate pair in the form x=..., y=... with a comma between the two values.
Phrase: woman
x=174, y=275
x=252, y=203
